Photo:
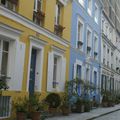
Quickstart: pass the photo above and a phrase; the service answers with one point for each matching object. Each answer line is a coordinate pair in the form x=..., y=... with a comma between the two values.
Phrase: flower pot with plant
x=65, y=104
x=21, y=108
x=35, y=106
x=54, y=101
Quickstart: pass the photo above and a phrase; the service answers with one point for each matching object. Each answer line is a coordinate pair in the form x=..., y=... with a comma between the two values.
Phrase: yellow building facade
x=34, y=46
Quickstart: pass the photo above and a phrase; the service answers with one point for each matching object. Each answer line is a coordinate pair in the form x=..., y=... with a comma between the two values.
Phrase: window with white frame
x=80, y=35
x=58, y=13
x=95, y=78
x=90, y=7
x=95, y=47
x=79, y=71
x=56, y=71
x=10, y=4
x=87, y=74
x=38, y=5
x=4, y=51
x=81, y=2
x=89, y=39
x=96, y=13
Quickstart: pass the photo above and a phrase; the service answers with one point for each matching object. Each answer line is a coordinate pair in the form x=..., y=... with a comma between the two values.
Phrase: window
x=81, y=2
x=5, y=106
x=80, y=35
x=87, y=74
x=104, y=61
x=58, y=13
x=96, y=13
x=95, y=78
x=10, y=4
x=55, y=71
x=4, y=50
x=38, y=5
x=38, y=14
x=89, y=37
x=58, y=28
x=78, y=72
x=95, y=47
x=90, y=7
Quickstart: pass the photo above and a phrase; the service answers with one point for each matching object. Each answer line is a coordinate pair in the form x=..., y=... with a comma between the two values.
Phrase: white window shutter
x=75, y=67
x=19, y=68
x=61, y=83
x=50, y=72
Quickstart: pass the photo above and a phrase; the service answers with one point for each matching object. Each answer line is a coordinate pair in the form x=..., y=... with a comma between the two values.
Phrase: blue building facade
x=86, y=44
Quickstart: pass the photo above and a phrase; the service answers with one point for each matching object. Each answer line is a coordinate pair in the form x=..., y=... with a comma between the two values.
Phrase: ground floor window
x=5, y=106
x=4, y=51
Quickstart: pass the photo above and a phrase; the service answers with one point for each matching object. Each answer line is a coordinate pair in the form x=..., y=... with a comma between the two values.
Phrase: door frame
x=39, y=45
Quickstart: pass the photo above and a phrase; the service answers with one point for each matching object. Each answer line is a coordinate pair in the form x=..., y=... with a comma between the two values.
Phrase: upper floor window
x=38, y=14
x=58, y=13
x=79, y=71
x=38, y=5
x=90, y=7
x=81, y=2
x=89, y=39
x=96, y=13
x=80, y=34
x=87, y=74
x=95, y=47
x=10, y=4
x=58, y=28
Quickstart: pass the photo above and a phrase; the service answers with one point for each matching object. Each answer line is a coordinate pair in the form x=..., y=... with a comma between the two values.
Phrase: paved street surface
x=89, y=115
x=111, y=116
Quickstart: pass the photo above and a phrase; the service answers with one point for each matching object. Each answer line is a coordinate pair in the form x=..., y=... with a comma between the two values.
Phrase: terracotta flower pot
x=65, y=111
x=52, y=111
x=35, y=115
x=21, y=116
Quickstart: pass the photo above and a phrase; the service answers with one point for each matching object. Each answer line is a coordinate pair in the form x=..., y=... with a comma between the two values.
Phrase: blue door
x=32, y=71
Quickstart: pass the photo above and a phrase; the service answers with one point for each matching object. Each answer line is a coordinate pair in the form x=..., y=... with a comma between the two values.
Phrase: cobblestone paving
x=111, y=116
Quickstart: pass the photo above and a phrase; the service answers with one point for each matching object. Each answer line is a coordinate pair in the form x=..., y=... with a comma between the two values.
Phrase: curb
x=92, y=118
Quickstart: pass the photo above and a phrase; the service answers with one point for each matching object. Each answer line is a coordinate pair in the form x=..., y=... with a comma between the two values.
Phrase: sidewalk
x=88, y=115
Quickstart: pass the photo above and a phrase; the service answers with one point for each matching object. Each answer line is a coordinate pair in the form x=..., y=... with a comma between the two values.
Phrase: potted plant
x=53, y=100
x=65, y=104
x=21, y=109
x=87, y=105
x=35, y=106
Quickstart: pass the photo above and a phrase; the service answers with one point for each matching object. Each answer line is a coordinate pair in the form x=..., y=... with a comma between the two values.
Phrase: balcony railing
x=58, y=29
x=10, y=4
x=38, y=17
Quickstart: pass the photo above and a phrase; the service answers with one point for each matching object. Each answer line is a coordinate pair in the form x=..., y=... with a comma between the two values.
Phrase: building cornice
x=29, y=24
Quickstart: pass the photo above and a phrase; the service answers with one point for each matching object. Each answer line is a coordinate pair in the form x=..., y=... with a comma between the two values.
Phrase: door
x=32, y=71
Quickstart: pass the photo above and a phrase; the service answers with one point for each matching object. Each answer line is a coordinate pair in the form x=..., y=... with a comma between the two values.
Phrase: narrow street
x=111, y=116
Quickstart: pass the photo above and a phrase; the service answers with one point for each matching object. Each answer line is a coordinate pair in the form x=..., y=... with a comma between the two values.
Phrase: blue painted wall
x=79, y=10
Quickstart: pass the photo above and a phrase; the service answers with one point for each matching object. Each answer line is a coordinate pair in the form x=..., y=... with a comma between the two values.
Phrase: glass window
x=4, y=56
x=80, y=35
x=96, y=13
x=81, y=2
x=55, y=72
x=78, y=71
x=90, y=7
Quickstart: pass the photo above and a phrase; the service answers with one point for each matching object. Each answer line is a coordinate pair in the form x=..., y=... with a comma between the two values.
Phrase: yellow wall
x=26, y=9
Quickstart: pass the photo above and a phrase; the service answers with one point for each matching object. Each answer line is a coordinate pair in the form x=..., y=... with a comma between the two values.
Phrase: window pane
x=55, y=72
x=5, y=46
x=3, y=2
x=4, y=63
